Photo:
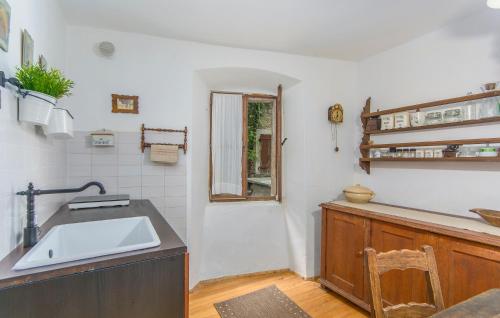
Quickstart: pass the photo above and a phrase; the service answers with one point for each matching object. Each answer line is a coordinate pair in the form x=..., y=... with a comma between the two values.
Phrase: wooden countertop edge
x=88, y=265
x=465, y=234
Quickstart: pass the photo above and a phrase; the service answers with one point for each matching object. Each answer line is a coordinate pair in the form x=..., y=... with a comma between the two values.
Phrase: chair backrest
x=402, y=260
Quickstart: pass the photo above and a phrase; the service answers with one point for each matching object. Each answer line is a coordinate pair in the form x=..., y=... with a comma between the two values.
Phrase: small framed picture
x=4, y=25
x=27, y=50
x=125, y=104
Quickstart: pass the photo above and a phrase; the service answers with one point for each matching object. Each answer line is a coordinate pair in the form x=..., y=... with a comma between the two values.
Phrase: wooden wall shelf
x=463, y=159
x=442, y=102
x=437, y=126
x=367, y=144
x=435, y=143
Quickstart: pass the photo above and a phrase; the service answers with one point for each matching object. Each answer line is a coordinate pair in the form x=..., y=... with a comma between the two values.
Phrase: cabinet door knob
x=360, y=253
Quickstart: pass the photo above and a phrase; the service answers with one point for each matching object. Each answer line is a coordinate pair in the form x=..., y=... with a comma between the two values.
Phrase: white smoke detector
x=106, y=48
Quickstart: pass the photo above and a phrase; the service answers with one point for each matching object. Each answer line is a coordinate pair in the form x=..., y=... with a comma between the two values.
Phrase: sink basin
x=76, y=241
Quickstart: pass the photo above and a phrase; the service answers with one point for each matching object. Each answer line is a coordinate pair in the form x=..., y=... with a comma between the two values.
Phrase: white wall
x=124, y=169
x=243, y=238
x=446, y=63
x=164, y=73
x=26, y=155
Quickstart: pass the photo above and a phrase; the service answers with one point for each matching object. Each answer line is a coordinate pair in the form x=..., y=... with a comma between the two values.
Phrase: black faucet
x=31, y=231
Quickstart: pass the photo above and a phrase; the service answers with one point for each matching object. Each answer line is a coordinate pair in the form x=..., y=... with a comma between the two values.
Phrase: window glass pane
x=261, y=165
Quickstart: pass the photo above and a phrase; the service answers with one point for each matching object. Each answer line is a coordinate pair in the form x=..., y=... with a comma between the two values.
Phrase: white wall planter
x=60, y=124
x=36, y=108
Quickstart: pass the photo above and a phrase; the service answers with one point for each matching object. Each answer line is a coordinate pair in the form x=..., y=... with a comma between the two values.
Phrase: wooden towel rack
x=145, y=144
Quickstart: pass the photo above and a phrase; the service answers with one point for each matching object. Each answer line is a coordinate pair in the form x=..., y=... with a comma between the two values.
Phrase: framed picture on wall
x=125, y=104
x=27, y=48
x=4, y=25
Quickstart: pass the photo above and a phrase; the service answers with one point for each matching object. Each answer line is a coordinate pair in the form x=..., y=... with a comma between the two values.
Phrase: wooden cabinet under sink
x=147, y=283
x=468, y=262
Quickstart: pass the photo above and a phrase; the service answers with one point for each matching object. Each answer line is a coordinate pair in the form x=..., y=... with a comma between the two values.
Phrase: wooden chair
x=402, y=260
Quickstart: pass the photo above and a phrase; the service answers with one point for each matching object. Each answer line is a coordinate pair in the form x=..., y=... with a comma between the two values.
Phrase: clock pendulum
x=334, y=136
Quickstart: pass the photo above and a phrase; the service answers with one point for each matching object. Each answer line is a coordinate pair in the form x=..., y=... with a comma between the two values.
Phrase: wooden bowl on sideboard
x=490, y=216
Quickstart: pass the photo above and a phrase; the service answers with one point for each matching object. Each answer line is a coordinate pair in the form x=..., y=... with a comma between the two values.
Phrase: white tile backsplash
x=128, y=138
x=175, y=191
x=127, y=171
x=124, y=169
x=129, y=148
x=104, y=159
x=130, y=181
x=148, y=181
x=175, y=170
x=153, y=191
x=127, y=159
x=104, y=150
x=175, y=180
x=79, y=171
x=149, y=169
x=26, y=155
x=173, y=202
x=78, y=159
x=105, y=171
x=134, y=192
x=79, y=145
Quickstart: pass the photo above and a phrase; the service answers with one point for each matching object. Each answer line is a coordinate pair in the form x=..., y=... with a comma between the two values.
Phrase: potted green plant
x=41, y=88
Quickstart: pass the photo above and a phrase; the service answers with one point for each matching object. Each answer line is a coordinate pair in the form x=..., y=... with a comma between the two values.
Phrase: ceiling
x=343, y=29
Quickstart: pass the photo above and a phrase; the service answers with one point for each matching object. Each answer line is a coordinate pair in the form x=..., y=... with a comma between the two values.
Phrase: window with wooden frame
x=245, y=147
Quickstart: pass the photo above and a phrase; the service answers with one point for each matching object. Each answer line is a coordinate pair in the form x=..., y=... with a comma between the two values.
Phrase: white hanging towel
x=164, y=153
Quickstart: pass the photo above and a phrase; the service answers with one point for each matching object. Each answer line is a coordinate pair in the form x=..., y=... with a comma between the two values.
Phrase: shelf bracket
x=365, y=165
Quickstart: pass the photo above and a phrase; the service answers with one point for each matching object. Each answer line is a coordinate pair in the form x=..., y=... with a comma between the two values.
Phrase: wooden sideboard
x=468, y=261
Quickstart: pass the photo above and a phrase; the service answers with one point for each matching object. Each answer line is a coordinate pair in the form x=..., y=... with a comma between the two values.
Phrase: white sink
x=76, y=241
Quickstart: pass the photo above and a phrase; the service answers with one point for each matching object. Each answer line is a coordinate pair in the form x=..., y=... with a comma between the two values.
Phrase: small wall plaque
x=102, y=138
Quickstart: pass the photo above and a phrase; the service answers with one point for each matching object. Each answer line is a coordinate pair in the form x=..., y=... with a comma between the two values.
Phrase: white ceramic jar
x=417, y=119
x=401, y=120
x=387, y=122
x=434, y=117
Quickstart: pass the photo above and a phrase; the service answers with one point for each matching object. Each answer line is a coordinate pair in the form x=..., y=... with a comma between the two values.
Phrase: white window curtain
x=227, y=144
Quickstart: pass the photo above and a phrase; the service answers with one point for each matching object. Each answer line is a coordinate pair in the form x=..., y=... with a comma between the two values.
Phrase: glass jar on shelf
x=470, y=109
x=374, y=153
x=384, y=153
x=453, y=115
x=392, y=152
x=412, y=153
x=489, y=108
x=469, y=151
x=406, y=153
x=419, y=153
x=434, y=117
x=429, y=153
x=438, y=152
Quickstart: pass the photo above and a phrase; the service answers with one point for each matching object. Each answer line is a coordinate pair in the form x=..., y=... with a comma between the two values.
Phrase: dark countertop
x=171, y=244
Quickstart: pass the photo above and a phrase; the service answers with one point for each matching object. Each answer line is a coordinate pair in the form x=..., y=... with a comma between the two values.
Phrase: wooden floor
x=316, y=301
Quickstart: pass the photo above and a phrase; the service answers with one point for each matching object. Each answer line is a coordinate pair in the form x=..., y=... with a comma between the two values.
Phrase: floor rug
x=269, y=302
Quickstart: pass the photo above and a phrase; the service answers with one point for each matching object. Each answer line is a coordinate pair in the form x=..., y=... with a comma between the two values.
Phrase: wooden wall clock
x=336, y=117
